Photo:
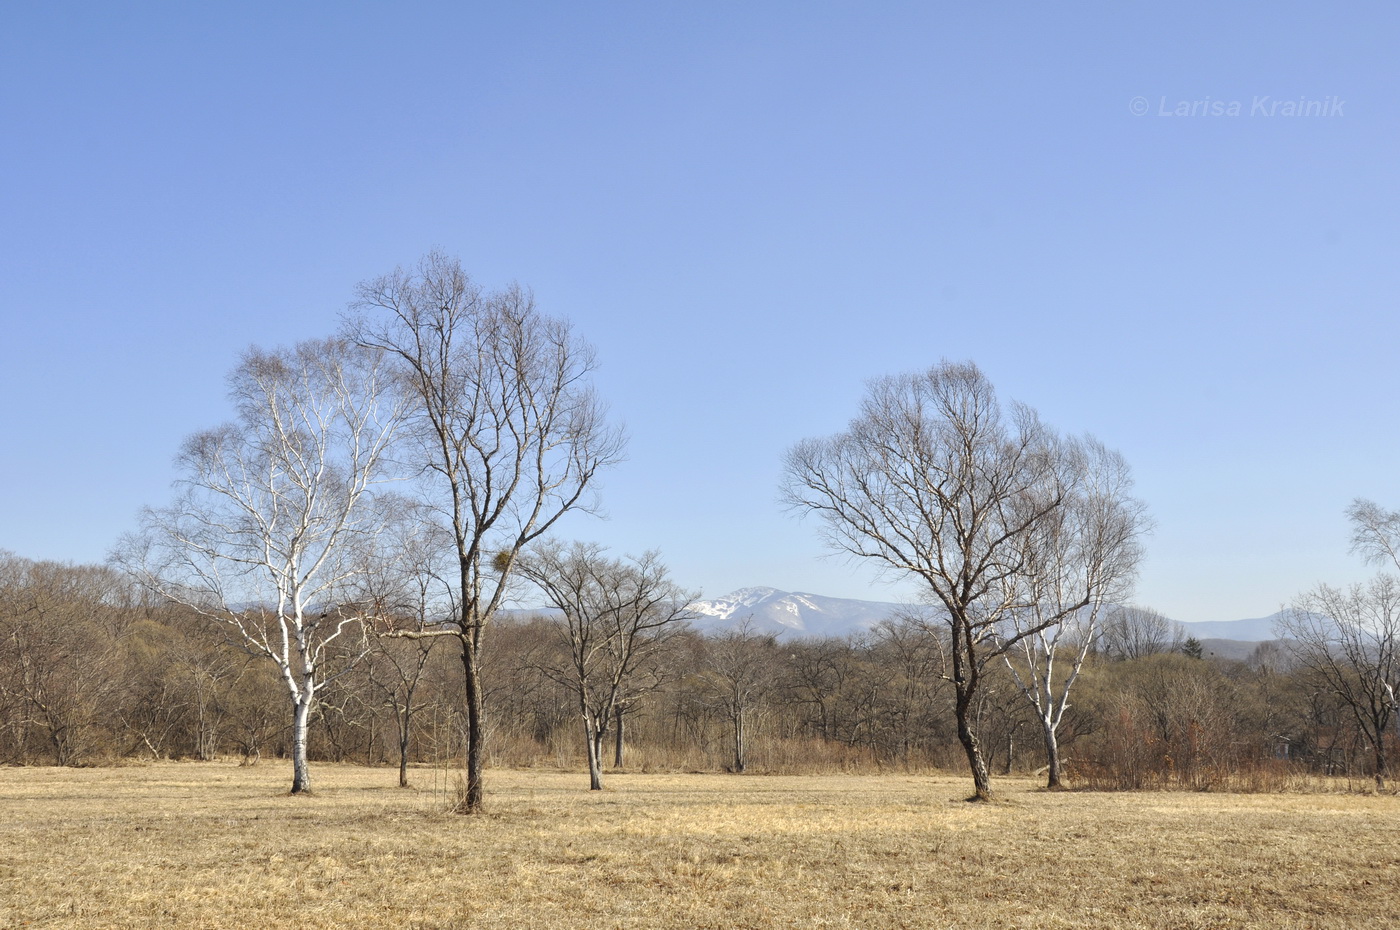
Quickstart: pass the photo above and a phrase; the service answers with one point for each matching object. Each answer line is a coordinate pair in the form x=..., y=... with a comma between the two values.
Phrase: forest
x=94, y=671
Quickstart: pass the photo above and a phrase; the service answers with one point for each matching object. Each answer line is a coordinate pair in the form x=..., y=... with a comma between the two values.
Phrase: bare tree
x=739, y=673
x=937, y=479
x=655, y=671
x=816, y=681
x=206, y=669
x=914, y=653
x=1137, y=632
x=1349, y=641
x=404, y=587
x=1375, y=532
x=510, y=436
x=617, y=614
x=271, y=509
x=61, y=627
x=1080, y=558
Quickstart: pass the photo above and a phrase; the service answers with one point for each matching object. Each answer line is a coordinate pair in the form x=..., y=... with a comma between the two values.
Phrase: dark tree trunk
x=981, y=780
x=739, y=753
x=471, y=801
x=965, y=680
x=404, y=722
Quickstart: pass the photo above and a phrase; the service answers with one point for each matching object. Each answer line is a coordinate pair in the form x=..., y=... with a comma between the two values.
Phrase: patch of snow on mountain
x=735, y=602
x=791, y=614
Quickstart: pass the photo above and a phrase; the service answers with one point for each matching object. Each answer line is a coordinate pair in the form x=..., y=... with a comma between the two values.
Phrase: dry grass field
x=217, y=846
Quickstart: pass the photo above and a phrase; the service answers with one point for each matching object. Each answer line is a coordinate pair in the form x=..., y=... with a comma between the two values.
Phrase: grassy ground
x=216, y=846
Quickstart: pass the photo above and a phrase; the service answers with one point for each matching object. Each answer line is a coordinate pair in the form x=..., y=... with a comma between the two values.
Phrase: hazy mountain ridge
x=1255, y=630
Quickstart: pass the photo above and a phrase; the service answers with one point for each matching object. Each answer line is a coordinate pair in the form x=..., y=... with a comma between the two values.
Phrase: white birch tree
x=262, y=537
x=1080, y=559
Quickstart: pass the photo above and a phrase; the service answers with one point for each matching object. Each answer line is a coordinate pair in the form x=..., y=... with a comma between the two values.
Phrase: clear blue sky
x=749, y=209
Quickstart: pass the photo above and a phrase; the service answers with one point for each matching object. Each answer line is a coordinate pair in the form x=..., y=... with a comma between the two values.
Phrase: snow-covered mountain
x=790, y=613
x=798, y=614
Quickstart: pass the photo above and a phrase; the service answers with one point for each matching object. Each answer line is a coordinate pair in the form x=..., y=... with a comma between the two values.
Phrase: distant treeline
x=92, y=672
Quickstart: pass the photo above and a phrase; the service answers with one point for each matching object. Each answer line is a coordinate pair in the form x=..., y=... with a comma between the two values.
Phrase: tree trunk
x=593, y=738
x=404, y=722
x=965, y=679
x=981, y=780
x=301, y=722
x=205, y=743
x=618, y=739
x=1052, y=757
x=60, y=746
x=739, y=742
x=470, y=802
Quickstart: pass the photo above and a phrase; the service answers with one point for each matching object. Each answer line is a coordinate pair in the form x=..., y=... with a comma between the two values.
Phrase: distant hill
x=797, y=614
x=1256, y=630
x=1233, y=649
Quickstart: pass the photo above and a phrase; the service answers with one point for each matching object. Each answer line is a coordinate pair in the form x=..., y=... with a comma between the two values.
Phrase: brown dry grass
x=216, y=846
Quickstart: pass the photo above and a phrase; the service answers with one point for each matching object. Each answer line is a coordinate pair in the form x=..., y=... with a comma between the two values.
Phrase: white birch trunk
x=301, y=722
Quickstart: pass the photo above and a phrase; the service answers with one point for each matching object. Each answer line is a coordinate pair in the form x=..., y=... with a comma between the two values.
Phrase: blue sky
x=750, y=210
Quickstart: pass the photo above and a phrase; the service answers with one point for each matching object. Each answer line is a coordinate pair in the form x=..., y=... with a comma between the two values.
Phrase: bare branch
x=1011, y=529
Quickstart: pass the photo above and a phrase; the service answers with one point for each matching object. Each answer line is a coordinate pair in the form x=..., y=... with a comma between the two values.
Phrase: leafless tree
x=914, y=652
x=262, y=537
x=405, y=588
x=154, y=707
x=816, y=676
x=738, y=676
x=655, y=671
x=937, y=479
x=209, y=669
x=1375, y=532
x=510, y=436
x=617, y=614
x=1080, y=558
x=1349, y=641
x=61, y=628
x=1128, y=632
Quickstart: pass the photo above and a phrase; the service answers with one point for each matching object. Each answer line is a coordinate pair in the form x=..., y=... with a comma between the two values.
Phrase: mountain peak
x=794, y=613
x=737, y=603
x=800, y=614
